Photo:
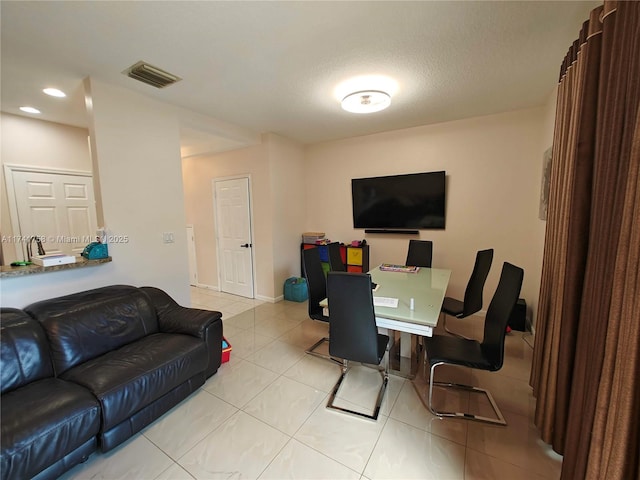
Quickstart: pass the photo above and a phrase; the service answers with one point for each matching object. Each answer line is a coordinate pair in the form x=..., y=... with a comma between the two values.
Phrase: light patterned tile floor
x=263, y=415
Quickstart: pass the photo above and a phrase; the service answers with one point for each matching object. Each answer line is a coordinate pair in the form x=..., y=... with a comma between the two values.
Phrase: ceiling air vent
x=151, y=75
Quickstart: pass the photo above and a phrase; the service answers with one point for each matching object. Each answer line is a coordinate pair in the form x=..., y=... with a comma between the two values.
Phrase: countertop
x=7, y=271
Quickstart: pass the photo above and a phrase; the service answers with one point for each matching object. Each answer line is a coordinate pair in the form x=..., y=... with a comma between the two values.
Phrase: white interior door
x=57, y=207
x=191, y=250
x=235, y=244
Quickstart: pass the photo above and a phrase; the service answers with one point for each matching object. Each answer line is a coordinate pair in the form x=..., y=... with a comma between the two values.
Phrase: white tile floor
x=263, y=415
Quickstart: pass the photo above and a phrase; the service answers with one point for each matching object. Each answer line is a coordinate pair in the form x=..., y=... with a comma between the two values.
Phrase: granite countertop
x=7, y=271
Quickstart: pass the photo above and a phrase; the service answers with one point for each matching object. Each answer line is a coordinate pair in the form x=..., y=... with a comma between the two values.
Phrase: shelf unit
x=356, y=259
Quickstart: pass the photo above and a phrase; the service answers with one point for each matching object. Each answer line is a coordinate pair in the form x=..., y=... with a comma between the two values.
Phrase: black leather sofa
x=87, y=371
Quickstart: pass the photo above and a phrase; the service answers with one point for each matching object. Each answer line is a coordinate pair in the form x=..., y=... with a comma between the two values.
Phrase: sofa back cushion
x=24, y=352
x=85, y=325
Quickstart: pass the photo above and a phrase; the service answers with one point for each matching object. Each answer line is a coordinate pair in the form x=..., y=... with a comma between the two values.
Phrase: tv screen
x=399, y=202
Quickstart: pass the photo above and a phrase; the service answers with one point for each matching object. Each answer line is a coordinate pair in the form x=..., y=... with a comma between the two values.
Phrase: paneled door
x=235, y=245
x=57, y=207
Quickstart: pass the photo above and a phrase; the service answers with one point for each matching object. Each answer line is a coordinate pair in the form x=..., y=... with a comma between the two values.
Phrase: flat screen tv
x=399, y=202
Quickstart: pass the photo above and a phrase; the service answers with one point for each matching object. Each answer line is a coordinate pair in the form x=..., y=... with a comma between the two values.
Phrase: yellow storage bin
x=354, y=256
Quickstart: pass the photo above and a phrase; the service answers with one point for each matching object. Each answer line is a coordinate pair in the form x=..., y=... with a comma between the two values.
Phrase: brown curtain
x=586, y=365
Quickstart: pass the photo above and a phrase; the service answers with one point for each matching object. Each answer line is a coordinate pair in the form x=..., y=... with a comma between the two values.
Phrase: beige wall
x=493, y=166
x=37, y=143
x=289, y=199
x=276, y=171
x=198, y=175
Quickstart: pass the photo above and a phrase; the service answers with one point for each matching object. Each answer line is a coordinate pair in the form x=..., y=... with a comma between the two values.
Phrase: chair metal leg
x=469, y=416
x=444, y=324
x=374, y=416
x=312, y=348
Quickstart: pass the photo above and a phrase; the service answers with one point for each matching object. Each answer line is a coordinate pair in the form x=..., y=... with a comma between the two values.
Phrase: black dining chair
x=335, y=259
x=420, y=253
x=486, y=355
x=353, y=335
x=472, y=302
x=317, y=288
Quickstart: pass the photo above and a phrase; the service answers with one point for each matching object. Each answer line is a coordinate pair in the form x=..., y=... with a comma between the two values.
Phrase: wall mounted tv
x=398, y=203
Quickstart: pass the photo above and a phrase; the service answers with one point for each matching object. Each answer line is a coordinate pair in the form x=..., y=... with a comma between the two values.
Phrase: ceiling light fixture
x=54, y=92
x=366, y=101
x=30, y=110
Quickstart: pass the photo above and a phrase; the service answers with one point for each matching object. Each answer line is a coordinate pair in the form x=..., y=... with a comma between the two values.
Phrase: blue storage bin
x=295, y=289
x=324, y=253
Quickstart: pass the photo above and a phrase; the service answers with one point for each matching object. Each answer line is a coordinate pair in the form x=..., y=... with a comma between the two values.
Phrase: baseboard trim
x=206, y=287
x=270, y=299
x=257, y=297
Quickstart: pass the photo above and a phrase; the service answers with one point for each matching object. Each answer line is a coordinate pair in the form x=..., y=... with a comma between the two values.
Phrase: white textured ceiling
x=274, y=66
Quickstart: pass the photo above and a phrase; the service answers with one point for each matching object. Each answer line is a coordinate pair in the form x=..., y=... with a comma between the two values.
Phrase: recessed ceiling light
x=366, y=101
x=30, y=110
x=54, y=92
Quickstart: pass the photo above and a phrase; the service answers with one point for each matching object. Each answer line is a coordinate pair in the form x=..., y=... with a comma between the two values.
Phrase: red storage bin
x=226, y=350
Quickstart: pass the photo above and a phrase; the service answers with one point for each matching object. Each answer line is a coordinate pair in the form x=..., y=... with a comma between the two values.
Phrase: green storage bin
x=326, y=268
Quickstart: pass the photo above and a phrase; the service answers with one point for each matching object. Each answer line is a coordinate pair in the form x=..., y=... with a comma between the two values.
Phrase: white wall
x=136, y=148
x=493, y=166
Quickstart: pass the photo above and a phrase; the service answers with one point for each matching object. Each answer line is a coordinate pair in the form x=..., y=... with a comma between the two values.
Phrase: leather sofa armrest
x=174, y=318
x=204, y=324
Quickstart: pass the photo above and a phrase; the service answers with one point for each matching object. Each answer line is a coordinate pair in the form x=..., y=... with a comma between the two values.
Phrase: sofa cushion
x=83, y=326
x=24, y=352
x=42, y=422
x=129, y=378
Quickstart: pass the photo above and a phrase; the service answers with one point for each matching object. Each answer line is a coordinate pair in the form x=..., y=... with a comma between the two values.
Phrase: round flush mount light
x=54, y=92
x=30, y=110
x=366, y=101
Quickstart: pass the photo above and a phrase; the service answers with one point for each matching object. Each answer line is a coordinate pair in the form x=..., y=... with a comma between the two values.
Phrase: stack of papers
x=385, y=302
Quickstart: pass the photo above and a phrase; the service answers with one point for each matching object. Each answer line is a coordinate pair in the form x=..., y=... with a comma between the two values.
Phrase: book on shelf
x=390, y=267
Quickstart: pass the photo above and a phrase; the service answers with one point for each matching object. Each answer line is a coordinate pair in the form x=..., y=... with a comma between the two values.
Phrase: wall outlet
x=168, y=237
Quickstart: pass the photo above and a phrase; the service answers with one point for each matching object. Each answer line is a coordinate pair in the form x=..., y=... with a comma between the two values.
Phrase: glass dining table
x=407, y=305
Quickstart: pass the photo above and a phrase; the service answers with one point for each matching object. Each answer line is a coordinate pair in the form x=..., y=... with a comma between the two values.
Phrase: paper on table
x=385, y=302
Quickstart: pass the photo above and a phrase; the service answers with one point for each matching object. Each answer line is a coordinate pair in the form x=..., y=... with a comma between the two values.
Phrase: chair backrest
x=335, y=259
x=498, y=313
x=420, y=253
x=475, y=287
x=353, y=334
x=316, y=281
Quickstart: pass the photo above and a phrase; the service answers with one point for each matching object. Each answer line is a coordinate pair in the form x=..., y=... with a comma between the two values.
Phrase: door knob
x=246, y=245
